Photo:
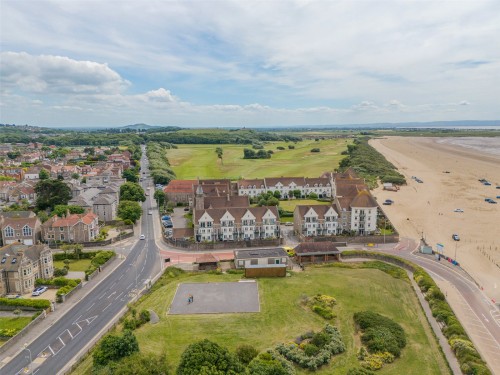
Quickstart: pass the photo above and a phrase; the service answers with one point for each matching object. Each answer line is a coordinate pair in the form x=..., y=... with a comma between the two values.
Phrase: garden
x=309, y=314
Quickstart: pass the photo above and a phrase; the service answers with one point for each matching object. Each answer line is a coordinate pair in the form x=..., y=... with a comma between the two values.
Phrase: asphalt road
x=477, y=314
x=59, y=344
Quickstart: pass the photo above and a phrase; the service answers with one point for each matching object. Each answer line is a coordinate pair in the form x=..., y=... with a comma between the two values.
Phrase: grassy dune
x=283, y=318
x=192, y=161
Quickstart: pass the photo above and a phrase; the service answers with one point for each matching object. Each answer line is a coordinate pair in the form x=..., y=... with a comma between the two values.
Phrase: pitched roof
x=225, y=202
x=180, y=186
x=316, y=248
x=364, y=199
x=250, y=183
x=20, y=222
x=73, y=219
x=17, y=214
x=285, y=181
x=206, y=258
x=321, y=210
x=237, y=212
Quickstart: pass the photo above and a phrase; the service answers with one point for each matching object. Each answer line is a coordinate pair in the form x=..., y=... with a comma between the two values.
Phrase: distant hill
x=138, y=127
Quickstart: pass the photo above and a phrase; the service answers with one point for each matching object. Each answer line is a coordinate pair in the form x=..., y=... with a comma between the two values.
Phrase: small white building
x=261, y=257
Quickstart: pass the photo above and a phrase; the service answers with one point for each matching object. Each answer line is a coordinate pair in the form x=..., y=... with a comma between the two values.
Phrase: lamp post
x=385, y=224
x=31, y=362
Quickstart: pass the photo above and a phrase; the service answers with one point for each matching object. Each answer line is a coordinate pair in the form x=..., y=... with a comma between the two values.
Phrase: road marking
x=111, y=295
x=485, y=318
x=60, y=339
x=51, y=350
x=121, y=276
x=106, y=307
x=70, y=334
x=129, y=285
x=102, y=295
x=90, y=307
x=77, y=319
x=118, y=296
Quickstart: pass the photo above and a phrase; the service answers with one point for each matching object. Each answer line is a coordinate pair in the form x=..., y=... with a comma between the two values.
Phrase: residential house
x=32, y=173
x=316, y=220
x=75, y=228
x=20, y=227
x=13, y=172
x=236, y=224
x=286, y=186
x=105, y=207
x=21, y=265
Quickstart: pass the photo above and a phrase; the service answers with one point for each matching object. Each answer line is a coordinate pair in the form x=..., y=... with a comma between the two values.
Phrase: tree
x=208, y=358
x=277, y=194
x=273, y=201
x=220, y=152
x=297, y=193
x=160, y=197
x=246, y=353
x=43, y=174
x=131, y=191
x=113, y=348
x=51, y=193
x=130, y=175
x=61, y=210
x=129, y=210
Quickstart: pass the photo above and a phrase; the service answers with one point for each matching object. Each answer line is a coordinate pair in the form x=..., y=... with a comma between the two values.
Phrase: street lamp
x=25, y=347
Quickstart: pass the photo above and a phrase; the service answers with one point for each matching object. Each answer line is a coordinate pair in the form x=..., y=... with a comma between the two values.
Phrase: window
x=61, y=229
x=253, y=262
x=9, y=232
x=61, y=237
x=27, y=231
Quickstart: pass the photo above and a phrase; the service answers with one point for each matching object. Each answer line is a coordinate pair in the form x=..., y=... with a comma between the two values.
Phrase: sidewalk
x=60, y=311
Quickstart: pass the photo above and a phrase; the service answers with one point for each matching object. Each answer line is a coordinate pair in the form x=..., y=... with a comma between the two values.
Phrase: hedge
x=34, y=303
x=98, y=260
x=59, y=281
x=470, y=364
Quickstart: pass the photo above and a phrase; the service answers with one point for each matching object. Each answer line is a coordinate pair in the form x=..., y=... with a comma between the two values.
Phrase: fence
x=93, y=274
x=96, y=243
x=222, y=245
x=62, y=298
x=353, y=239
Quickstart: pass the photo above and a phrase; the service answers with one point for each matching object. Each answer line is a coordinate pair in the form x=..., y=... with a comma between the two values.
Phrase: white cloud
x=57, y=74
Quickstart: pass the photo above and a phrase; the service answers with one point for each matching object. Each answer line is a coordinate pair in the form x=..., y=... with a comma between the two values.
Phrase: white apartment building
x=316, y=220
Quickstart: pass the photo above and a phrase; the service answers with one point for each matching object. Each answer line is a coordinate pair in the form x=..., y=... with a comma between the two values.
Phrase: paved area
x=216, y=298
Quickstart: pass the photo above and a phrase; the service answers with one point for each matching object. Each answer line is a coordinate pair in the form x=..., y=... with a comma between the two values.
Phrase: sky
x=248, y=63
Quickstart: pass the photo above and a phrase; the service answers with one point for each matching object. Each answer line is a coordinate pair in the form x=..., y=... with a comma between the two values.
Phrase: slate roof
x=217, y=213
x=321, y=210
x=316, y=248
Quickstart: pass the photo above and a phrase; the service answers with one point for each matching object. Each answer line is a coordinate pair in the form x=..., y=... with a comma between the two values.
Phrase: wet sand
x=428, y=208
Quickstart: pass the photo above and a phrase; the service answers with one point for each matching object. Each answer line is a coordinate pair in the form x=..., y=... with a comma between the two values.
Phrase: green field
x=9, y=323
x=192, y=161
x=283, y=318
x=74, y=265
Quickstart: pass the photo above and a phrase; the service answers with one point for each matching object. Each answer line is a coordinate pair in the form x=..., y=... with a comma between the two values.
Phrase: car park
x=39, y=290
x=458, y=210
x=455, y=237
x=142, y=237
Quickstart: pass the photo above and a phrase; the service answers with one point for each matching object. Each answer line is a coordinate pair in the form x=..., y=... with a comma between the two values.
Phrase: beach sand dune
x=428, y=208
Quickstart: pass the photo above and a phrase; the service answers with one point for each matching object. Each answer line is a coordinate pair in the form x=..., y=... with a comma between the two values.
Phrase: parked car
x=455, y=237
x=169, y=225
x=142, y=237
x=165, y=217
x=388, y=202
x=39, y=290
x=458, y=210
x=186, y=209
x=289, y=224
x=489, y=200
x=150, y=212
x=487, y=183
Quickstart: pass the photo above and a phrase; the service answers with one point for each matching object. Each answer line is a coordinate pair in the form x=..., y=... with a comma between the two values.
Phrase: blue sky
x=252, y=63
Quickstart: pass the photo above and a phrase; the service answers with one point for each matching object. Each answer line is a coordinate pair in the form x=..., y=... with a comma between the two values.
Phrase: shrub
x=380, y=334
x=280, y=148
x=322, y=305
x=33, y=303
x=359, y=371
x=60, y=272
x=315, y=150
x=245, y=353
x=311, y=350
x=113, y=348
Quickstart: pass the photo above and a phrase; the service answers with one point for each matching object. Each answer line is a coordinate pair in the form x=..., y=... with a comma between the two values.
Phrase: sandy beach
x=428, y=208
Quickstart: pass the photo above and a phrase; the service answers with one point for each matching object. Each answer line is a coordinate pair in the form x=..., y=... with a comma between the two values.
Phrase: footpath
x=60, y=310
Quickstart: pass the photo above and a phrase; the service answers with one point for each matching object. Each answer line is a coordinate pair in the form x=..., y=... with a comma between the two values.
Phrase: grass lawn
x=17, y=323
x=290, y=205
x=74, y=265
x=283, y=318
x=192, y=161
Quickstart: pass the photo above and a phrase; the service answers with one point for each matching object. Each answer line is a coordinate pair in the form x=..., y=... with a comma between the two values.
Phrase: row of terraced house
x=222, y=211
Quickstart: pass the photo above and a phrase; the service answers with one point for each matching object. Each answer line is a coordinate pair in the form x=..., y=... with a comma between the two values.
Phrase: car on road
x=458, y=210
x=150, y=212
x=455, y=237
x=142, y=237
x=39, y=290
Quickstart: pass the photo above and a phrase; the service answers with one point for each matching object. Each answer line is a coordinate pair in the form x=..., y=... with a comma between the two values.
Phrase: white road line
x=111, y=295
x=69, y=333
x=112, y=285
x=60, y=339
x=102, y=295
x=487, y=321
x=51, y=350
x=129, y=285
x=77, y=319
x=90, y=307
x=121, y=276
x=106, y=307
x=118, y=296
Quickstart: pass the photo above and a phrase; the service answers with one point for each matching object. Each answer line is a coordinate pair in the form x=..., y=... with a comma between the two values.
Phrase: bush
x=113, y=348
x=60, y=272
x=33, y=303
x=315, y=150
x=359, y=371
x=380, y=334
x=280, y=148
x=245, y=353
